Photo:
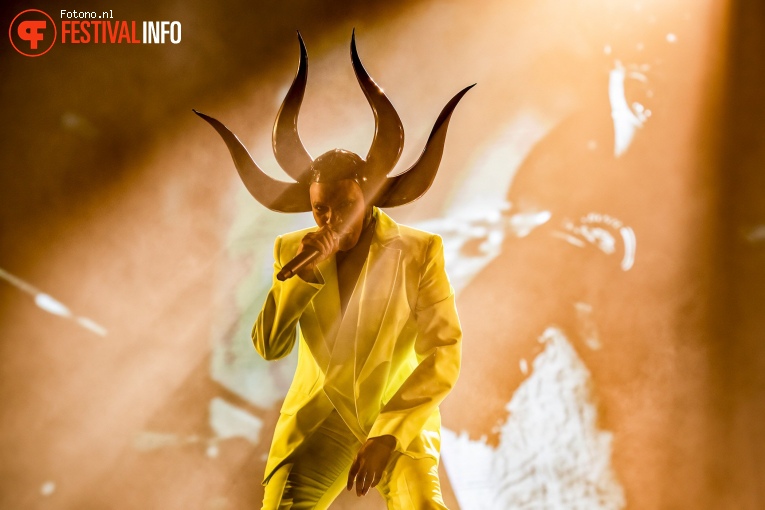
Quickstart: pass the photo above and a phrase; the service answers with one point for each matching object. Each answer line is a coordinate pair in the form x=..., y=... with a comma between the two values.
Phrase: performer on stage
x=379, y=342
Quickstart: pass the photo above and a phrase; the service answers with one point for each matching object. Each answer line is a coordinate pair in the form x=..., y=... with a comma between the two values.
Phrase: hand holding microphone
x=314, y=248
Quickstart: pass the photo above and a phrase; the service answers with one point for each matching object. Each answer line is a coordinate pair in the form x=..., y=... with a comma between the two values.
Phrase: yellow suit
x=386, y=364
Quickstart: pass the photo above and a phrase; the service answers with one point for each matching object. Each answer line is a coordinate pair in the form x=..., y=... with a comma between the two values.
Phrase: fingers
x=369, y=465
x=361, y=477
x=328, y=243
x=368, y=481
x=353, y=472
x=323, y=240
x=329, y=240
x=376, y=479
x=313, y=241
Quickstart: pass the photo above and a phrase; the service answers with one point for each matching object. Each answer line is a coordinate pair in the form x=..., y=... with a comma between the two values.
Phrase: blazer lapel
x=377, y=284
x=326, y=310
x=364, y=317
x=377, y=288
x=338, y=383
x=357, y=333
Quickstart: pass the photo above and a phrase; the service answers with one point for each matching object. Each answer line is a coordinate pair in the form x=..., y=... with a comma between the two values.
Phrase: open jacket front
x=386, y=364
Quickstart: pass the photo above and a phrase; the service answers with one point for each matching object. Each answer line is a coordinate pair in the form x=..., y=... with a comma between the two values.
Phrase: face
x=340, y=205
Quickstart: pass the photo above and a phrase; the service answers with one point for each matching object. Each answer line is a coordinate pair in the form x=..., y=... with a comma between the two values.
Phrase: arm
x=274, y=332
x=438, y=348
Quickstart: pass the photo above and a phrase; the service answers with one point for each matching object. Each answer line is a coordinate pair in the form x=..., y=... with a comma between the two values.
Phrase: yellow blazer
x=387, y=364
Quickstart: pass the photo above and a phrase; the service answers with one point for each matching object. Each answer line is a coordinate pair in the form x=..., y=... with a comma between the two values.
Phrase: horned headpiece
x=388, y=141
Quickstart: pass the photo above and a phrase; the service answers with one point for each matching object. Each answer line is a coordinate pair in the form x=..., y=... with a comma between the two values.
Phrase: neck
x=367, y=219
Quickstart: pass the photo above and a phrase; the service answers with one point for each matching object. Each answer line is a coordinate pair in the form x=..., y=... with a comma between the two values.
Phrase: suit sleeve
x=438, y=347
x=275, y=330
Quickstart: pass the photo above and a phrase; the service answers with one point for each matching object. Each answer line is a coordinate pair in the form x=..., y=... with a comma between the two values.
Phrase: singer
x=379, y=342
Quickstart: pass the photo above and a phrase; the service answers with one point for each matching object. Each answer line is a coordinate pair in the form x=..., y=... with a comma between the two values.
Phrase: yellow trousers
x=318, y=473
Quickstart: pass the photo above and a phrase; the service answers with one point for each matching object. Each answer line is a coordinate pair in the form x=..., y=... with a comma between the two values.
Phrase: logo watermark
x=33, y=32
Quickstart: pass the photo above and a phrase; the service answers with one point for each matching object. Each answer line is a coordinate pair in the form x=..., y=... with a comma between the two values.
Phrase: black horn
x=288, y=149
x=388, y=140
x=385, y=151
x=414, y=182
x=278, y=196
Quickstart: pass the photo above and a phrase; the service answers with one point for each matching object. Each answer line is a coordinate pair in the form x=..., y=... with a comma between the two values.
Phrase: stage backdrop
x=600, y=201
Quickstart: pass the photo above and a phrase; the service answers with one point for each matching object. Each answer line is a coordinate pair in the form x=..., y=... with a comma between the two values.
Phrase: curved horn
x=414, y=182
x=288, y=148
x=389, y=132
x=276, y=195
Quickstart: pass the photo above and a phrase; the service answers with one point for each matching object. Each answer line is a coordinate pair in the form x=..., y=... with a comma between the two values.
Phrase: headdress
x=388, y=141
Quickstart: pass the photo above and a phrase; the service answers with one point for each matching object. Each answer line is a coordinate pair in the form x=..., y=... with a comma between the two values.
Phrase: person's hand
x=324, y=241
x=369, y=464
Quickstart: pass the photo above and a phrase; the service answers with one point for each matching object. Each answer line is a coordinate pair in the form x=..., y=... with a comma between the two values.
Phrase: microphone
x=305, y=258
x=301, y=260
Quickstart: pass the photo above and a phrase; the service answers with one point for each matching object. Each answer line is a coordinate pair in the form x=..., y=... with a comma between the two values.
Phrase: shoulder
x=418, y=239
x=419, y=247
x=409, y=239
x=423, y=255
